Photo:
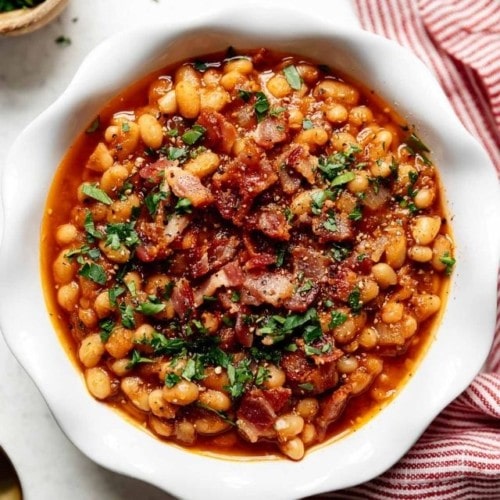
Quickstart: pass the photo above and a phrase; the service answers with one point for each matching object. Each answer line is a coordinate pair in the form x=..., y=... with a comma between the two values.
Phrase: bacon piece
x=200, y=267
x=245, y=116
x=175, y=227
x=228, y=276
x=342, y=284
x=302, y=370
x=310, y=263
x=255, y=417
x=182, y=297
x=220, y=133
x=289, y=183
x=303, y=162
x=331, y=408
x=157, y=238
x=272, y=222
x=154, y=172
x=301, y=300
x=222, y=250
x=227, y=338
x=244, y=334
x=240, y=183
x=271, y=131
x=186, y=185
x=278, y=397
x=260, y=261
x=333, y=227
x=272, y=288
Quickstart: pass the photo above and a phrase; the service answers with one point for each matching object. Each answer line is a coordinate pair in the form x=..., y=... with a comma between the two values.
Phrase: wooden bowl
x=21, y=21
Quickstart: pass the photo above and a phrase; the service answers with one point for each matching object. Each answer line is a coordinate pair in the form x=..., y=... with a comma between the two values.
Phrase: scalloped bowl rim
x=462, y=340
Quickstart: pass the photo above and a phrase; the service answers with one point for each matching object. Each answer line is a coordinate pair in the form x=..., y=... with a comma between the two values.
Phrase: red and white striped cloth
x=458, y=457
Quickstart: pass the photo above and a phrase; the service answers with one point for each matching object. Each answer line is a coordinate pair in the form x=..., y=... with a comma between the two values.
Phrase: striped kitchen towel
x=458, y=457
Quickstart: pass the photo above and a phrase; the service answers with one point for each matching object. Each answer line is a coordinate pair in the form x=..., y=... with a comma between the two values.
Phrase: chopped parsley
x=245, y=95
x=276, y=328
x=449, y=262
x=114, y=293
x=62, y=40
x=127, y=315
x=332, y=166
x=356, y=214
x=94, y=126
x=330, y=223
x=318, y=199
x=174, y=153
x=92, y=232
x=92, y=191
x=343, y=179
x=338, y=318
x=416, y=147
x=150, y=308
x=292, y=77
x=307, y=386
x=339, y=252
x=261, y=105
x=200, y=66
x=239, y=376
x=137, y=359
x=152, y=201
x=121, y=233
x=262, y=375
x=183, y=206
x=93, y=272
x=354, y=301
x=194, y=134
x=171, y=379
x=307, y=124
x=280, y=255
x=106, y=325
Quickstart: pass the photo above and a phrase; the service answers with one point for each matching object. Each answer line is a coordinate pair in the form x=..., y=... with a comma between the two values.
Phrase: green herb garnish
x=193, y=135
x=292, y=77
x=92, y=191
x=449, y=262
x=136, y=359
x=93, y=272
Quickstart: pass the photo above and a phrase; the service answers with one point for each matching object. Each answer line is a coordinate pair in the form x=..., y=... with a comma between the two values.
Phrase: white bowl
x=461, y=343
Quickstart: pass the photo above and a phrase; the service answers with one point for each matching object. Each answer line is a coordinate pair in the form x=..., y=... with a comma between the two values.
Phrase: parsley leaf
x=261, y=105
x=94, y=126
x=93, y=272
x=152, y=201
x=449, y=262
x=150, y=308
x=354, y=300
x=171, y=379
x=194, y=134
x=292, y=77
x=262, y=375
x=239, y=376
x=121, y=233
x=114, y=293
x=106, y=325
x=339, y=252
x=338, y=318
x=174, y=153
x=92, y=191
x=343, y=179
x=136, y=359
x=127, y=315
x=183, y=206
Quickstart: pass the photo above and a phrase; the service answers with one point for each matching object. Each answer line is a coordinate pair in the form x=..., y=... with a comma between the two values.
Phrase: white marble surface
x=34, y=70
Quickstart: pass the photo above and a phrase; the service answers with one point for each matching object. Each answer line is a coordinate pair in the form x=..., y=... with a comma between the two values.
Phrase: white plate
x=462, y=341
